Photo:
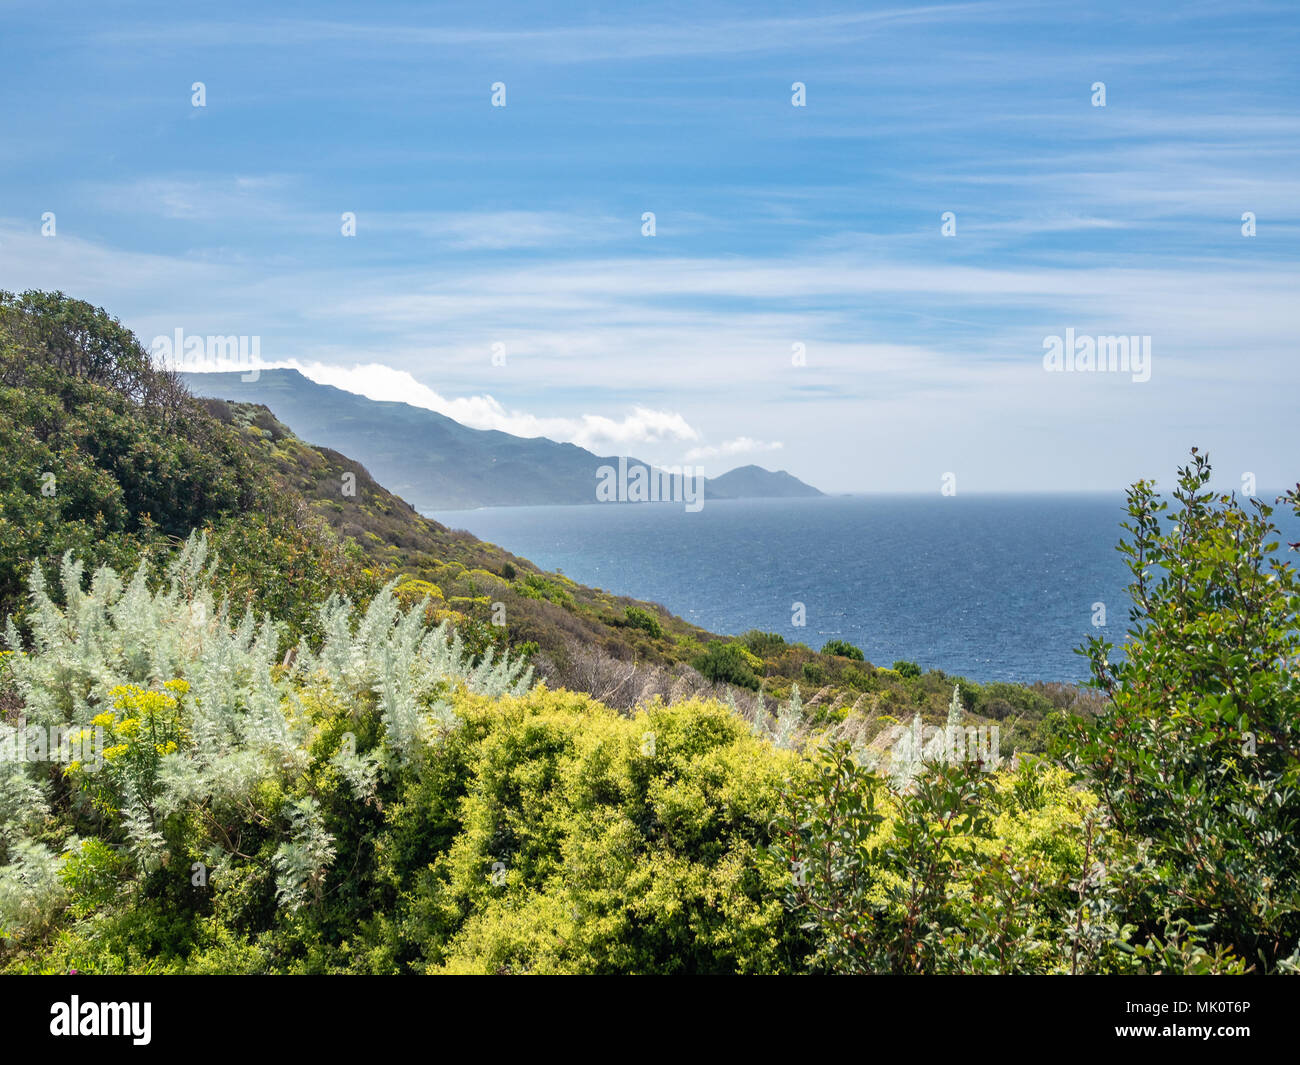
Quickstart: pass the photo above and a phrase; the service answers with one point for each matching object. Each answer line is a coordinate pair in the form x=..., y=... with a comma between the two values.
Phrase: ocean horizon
x=992, y=587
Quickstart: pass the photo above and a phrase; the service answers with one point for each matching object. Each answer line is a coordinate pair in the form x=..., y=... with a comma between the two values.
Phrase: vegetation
x=729, y=663
x=254, y=722
x=644, y=620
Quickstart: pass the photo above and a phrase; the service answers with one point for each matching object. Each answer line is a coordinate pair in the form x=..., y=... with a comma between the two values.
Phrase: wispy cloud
x=632, y=39
x=798, y=289
x=596, y=432
x=741, y=445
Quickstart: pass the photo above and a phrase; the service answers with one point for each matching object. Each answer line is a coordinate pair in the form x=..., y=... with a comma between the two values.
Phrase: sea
x=988, y=587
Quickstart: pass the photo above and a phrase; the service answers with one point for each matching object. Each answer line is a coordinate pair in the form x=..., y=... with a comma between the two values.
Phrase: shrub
x=1198, y=749
x=637, y=618
x=906, y=669
x=843, y=649
x=729, y=663
x=595, y=843
x=963, y=872
x=763, y=643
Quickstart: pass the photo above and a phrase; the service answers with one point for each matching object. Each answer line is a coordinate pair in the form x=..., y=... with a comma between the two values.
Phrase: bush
x=906, y=669
x=963, y=872
x=843, y=649
x=1198, y=750
x=763, y=643
x=637, y=618
x=729, y=663
x=594, y=843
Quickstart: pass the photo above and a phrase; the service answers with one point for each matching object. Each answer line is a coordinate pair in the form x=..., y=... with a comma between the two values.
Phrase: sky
x=798, y=305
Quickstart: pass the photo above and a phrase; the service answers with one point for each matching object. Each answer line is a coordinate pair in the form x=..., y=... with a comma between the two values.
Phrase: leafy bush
x=843, y=649
x=729, y=663
x=594, y=843
x=1198, y=751
x=763, y=643
x=219, y=766
x=642, y=619
x=382, y=803
x=966, y=872
x=906, y=669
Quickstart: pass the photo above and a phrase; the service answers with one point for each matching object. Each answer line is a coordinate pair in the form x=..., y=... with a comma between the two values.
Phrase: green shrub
x=1197, y=751
x=963, y=872
x=637, y=618
x=595, y=843
x=843, y=649
x=729, y=663
x=763, y=643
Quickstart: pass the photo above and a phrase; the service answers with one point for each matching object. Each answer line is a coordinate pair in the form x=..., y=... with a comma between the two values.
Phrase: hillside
x=438, y=464
x=142, y=463
x=754, y=482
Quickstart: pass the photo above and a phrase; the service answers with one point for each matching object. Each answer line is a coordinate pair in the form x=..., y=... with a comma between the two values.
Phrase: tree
x=1198, y=748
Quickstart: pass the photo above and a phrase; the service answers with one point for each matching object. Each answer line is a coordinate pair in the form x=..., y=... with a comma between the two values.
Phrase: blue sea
x=988, y=587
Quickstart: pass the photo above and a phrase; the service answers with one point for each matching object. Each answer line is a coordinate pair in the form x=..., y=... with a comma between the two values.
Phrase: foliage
x=642, y=619
x=729, y=663
x=964, y=872
x=843, y=649
x=211, y=753
x=348, y=811
x=1197, y=751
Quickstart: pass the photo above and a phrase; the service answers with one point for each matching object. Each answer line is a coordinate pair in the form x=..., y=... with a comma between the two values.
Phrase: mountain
x=438, y=464
x=754, y=482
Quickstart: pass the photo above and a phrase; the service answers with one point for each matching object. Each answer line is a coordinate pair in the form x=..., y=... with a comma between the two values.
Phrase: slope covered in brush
x=112, y=458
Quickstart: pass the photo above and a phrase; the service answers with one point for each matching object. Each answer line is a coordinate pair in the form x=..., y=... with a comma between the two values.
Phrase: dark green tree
x=1197, y=753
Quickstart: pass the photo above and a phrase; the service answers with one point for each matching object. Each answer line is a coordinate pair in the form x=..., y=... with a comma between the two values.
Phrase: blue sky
x=775, y=225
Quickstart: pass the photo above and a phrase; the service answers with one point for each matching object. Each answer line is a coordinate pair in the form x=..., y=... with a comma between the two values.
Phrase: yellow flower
x=124, y=692
x=180, y=687
x=104, y=720
x=113, y=753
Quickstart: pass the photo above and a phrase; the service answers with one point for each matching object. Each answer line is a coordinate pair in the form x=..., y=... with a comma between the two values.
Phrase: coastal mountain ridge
x=437, y=463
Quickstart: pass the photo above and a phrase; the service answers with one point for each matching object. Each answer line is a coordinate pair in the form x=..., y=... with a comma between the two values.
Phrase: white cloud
x=741, y=445
x=596, y=432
